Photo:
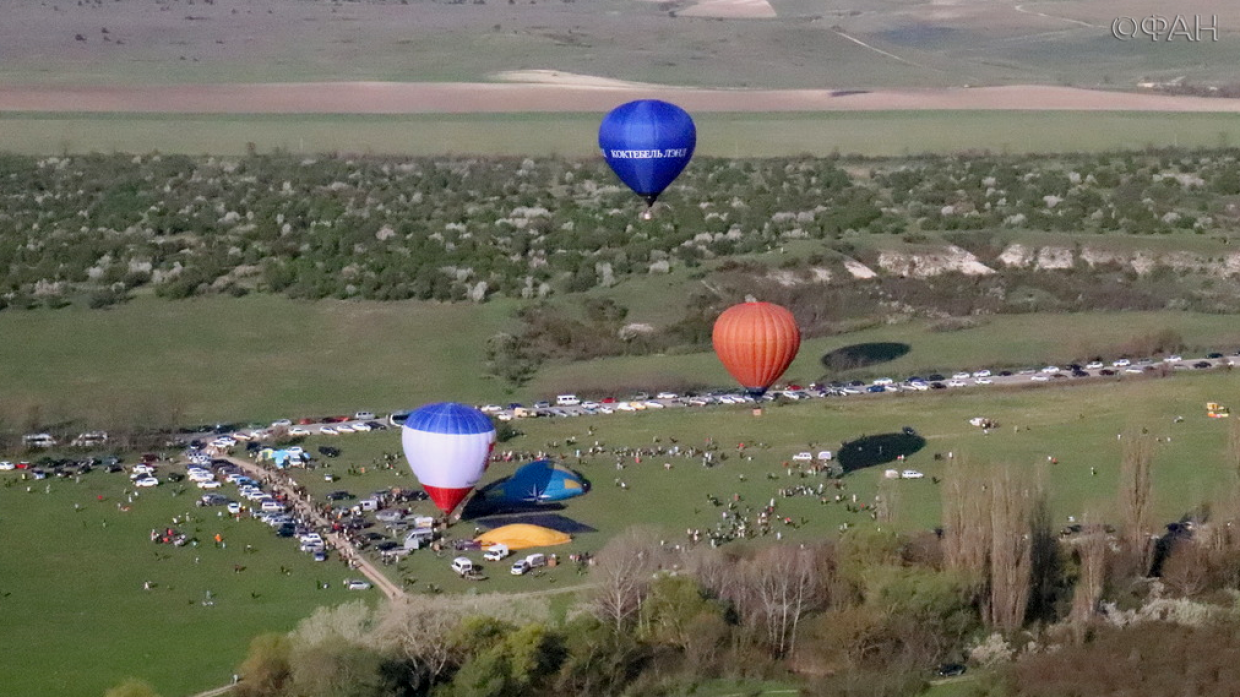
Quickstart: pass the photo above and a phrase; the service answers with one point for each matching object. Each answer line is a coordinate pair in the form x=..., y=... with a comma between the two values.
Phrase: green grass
x=262, y=357
x=884, y=133
x=1000, y=341
x=1077, y=425
x=73, y=600
x=61, y=565
x=251, y=358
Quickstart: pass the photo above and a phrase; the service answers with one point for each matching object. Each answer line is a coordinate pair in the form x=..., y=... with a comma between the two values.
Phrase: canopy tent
x=537, y=482
x=521, y=536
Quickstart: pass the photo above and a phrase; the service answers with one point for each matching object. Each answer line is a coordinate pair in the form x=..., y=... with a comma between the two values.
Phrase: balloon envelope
x=447, y=445
x=540, y=481
x=756, y=342
x=647, y=143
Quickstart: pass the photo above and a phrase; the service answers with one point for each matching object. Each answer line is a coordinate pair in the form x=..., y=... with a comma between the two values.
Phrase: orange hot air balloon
x=756, y=342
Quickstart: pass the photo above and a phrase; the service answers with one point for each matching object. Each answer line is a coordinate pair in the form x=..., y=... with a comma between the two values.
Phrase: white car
x=606, y=410
x=883, y=382
x=1174, y=358
x=955, y=383
x=803, y=457
x=143, y=469
x=364, y=416
x=234, y=507
x=653, y=404
x=224, y=442
x=209, y=484
x=362, y=427
x=344, y=428
x=1121, y=363
x=282, y=423
x=919, y=386
x=1050, y=369
x=911, y=474
x=146, y=481
x=357, y=585
x=983, y=381
x=1040, y=378
x=625, y=406
x=981, y=373
x=329, y=431
x=490, y=409
x=666, y=395
x=962, y=376
x=6, y=465
x=298, y=431
x=1094, y=365
x=590, y=405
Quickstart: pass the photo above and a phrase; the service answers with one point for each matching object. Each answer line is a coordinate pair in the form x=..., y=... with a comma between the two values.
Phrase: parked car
x=354, y=584
x=524, y=566
x=146, y=481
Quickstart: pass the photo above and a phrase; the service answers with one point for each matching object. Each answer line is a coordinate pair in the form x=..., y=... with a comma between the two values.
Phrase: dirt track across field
x=555, y=92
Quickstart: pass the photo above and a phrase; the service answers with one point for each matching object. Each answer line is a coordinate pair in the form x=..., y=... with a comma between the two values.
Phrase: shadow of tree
x=862, y=355
x=868, y=451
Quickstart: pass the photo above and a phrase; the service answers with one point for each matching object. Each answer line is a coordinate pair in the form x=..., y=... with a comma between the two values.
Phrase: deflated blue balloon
x=647, y=143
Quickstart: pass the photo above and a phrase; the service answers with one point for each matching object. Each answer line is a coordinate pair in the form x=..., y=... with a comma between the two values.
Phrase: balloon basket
x=647, y=214
x=757, y=411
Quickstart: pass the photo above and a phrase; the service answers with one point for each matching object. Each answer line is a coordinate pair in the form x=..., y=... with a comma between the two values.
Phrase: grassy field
x=73, y=598
x=60, y=561
x=260, y=358
x=892, y=133
x=1077, y=425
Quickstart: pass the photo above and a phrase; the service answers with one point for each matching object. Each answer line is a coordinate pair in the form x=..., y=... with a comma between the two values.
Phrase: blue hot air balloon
x=647, y=143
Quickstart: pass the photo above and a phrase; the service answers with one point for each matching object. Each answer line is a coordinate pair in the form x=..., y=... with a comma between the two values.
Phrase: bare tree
x=1136, y=498
x=784, y=583
x=419, y=628
x=1091, y=548
x=1013, y=499
x=966, y=519
x=622, y=573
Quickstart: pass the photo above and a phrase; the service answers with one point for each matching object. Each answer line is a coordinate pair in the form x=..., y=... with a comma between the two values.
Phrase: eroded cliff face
x=1142, y=261
x=930, y=260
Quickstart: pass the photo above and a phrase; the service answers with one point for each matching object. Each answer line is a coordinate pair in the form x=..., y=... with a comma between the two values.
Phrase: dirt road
x=306, y=508
x=565, y=93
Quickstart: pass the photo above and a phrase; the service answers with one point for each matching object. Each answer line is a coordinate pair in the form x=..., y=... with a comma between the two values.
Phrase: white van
x=567, y=400
x=496, y=552
x=463, y=566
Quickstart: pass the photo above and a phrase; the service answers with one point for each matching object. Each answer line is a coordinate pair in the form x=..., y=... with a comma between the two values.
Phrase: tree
x=783, y=584
x=511, y=359
x=1013, y=502
x=966, y=519
x=622, y=575
x=1136, y=499
x=1091, y=549
x=266, y=669
x=419, y=629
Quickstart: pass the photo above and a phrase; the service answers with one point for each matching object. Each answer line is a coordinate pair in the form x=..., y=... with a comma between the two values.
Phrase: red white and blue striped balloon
x=447, y=445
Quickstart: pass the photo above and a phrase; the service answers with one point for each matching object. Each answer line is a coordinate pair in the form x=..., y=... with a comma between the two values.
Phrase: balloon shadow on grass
x=868, y=451
x=862, y=355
